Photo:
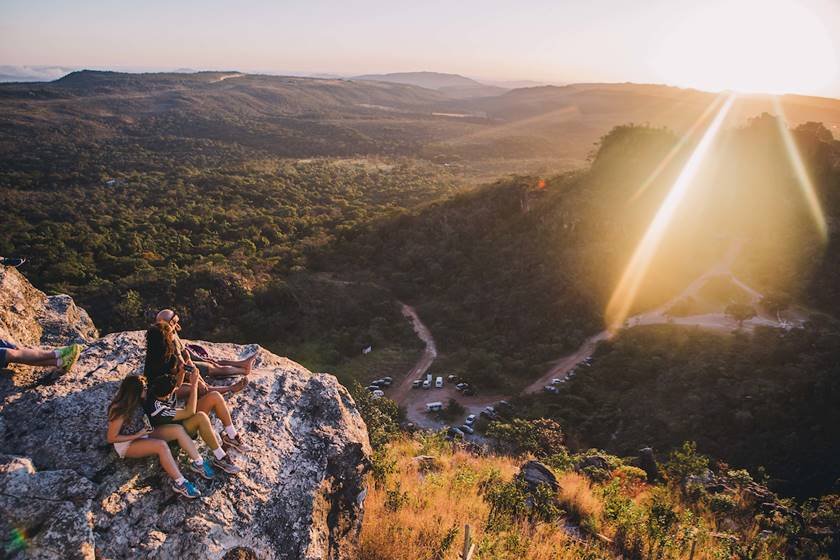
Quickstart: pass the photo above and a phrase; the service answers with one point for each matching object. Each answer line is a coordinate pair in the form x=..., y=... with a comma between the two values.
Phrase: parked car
x=377, y=383
x=438, y=382
x=378, y=394
x=427, y=384
x=466, y=429
x=372, y=388
x=556, y=381
x=461, y=386
x=452, y=378
x=388, y=380
x=470, y=420
x=454, y=432
x=489, y=410
x=551, y=389
x=416, y=383
x=434, y=406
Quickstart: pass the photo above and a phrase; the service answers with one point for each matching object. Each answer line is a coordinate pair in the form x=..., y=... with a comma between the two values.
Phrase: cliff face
x=64, y=493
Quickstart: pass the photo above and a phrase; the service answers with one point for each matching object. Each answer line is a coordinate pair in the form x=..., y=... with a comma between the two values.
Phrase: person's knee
x=216, y=397
x=202, y=417
x=161, y=448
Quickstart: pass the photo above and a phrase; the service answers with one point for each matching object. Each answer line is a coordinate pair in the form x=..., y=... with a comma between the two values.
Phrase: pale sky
x=758, y=45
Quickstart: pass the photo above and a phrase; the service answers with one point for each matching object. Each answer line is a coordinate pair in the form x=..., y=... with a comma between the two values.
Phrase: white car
x=438, y=382
x=466, y=429
x=489, y=410
x=434, y=406
x=556, y=381
x=470, y=420
x=427, y=384
x=378, y=394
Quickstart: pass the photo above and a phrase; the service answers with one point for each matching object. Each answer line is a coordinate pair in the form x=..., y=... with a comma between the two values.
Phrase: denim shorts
x=5, y=345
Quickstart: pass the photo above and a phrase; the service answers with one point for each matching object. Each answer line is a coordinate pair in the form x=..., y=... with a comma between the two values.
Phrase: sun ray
x=714, y=105
x=802, y=176
x=628, y=287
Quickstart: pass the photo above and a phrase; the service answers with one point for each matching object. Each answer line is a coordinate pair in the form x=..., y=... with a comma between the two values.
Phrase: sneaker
x=12, y=262
x=68, y=356
x=186, y=489
x=226, y=465
x=205, y=470
x=234, y=443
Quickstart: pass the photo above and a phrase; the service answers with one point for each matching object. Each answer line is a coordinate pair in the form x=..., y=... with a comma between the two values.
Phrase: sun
x=768, y=46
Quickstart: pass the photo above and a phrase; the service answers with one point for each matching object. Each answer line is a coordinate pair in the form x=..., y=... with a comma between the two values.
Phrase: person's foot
x=205, y=470
x=234, y=443
x=14, y=262
x=226, y=465
x=186, y=489
x=239, y=385
x=249, y=364
x=68, y=355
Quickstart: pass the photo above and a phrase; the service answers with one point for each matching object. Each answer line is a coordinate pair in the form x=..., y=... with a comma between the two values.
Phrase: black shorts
x=5, y=345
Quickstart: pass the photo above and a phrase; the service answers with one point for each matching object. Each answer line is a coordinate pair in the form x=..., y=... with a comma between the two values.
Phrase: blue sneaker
x=187, y=489
x=205, y=470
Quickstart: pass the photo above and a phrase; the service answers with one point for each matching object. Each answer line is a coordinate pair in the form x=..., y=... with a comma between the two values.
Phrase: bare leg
x=200, y=423
x=245, y=364
x=215, y=402
x=31, y=357
x=148, y=447
x=184, y=390
x=169, y=432
x=226, y=371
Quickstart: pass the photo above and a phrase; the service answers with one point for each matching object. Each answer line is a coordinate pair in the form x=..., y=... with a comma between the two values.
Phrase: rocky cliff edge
x=64, y=493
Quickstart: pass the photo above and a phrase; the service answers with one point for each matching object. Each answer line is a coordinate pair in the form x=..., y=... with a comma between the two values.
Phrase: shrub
x=685, y=461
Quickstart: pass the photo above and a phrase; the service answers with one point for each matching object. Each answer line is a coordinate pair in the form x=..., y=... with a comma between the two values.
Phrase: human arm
x=114, y=427
x=192, y=399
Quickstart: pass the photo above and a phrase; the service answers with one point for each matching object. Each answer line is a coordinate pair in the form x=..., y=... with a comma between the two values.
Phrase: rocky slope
x=64, y=493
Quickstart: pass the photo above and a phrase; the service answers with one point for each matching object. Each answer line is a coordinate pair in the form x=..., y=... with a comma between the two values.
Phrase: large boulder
x=535, y=474
x=65, y=492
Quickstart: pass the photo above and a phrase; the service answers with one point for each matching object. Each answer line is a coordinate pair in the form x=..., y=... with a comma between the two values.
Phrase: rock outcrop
x=64, y=493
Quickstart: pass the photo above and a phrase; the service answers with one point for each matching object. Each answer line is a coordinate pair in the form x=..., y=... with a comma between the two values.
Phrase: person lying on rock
x=159, y=406
x=132, y=439
x=63, y=358
x=206, y=366
x=162, y=358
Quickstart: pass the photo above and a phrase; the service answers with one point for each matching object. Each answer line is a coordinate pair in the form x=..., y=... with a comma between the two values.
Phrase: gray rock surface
x=68, y=495
x=535, y=473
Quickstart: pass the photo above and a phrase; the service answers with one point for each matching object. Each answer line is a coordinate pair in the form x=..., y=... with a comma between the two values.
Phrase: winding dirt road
x=414, y=399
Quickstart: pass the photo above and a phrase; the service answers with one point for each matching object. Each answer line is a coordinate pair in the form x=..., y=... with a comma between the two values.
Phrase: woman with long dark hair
x=131, y=438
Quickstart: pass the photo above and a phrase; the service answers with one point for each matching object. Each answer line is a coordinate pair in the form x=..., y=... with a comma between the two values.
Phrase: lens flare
x=625, y=293
x=802, y=177
x=679, y=146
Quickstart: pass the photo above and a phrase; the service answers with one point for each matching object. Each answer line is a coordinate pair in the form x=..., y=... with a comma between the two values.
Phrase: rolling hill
x=452, y=85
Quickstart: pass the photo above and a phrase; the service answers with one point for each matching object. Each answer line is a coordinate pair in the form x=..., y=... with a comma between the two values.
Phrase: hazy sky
x=780, y=45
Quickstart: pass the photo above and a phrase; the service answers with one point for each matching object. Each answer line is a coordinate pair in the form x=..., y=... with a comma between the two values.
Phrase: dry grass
x=420, y=515
x=435, y=506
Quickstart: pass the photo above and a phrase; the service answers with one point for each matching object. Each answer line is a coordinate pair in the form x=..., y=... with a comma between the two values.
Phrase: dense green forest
x=229, y=246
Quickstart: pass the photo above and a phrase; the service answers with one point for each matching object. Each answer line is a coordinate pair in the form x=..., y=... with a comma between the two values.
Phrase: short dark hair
x=162, y=386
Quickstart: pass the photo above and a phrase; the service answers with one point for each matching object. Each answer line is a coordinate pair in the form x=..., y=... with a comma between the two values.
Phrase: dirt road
x=414, y=400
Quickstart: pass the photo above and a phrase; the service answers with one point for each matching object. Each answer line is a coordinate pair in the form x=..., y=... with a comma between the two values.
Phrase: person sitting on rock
x=206, y=366
x=159, y=406
x=161, y=361
x=132, y=439
x=63, y=358
x=162, y=358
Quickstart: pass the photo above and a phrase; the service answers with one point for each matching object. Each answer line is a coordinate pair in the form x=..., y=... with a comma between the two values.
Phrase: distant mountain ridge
x=453, y=85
